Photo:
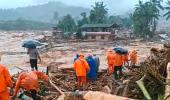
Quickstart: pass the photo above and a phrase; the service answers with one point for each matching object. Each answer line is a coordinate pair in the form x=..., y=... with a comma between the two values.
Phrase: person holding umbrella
x=34, y=56
x=33, y=52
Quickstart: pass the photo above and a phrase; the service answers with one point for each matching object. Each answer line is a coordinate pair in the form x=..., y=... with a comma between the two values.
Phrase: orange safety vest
x=29, y=80
x=110, y=58
x=133, y=57
x=118, y=59
x=5, y=79
x=81, y=67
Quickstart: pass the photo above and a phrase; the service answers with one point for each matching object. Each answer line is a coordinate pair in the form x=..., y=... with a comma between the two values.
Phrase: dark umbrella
x=30, y=43
x=120, y=50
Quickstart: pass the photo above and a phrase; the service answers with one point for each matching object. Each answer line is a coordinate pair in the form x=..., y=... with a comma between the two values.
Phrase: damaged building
x=99, y=31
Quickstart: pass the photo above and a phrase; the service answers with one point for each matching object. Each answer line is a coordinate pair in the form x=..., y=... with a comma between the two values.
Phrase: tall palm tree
x=156, y=10
x=143, y=18
x=157, y=3
x=167, y=14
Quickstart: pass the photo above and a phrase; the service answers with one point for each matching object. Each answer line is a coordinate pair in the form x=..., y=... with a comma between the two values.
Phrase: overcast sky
x=85, y=3
x=116, y=5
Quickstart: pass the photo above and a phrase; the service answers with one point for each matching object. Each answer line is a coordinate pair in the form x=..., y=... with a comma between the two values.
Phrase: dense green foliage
x=67, y=24
x=145, y=16
x=83, y=20
x=122, y=21
x=167, y=14
x=98, y=13
x=21, y=24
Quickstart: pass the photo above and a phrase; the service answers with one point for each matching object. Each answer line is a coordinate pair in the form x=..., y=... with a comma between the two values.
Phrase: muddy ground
x=63, y=53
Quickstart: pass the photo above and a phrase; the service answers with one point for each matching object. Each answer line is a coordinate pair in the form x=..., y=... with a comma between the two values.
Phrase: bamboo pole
x=143, y=89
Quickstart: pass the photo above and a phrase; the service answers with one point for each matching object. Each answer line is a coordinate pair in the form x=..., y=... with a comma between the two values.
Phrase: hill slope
x=21, y=24
x=43, y=12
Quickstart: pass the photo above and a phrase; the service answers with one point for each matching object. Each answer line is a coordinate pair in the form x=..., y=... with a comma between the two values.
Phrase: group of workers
x=86, y=68
x=116, y=61
x=27, y=80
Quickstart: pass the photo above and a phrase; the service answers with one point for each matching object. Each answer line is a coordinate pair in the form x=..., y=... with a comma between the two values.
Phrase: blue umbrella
x=30, y=43
x=120, y=50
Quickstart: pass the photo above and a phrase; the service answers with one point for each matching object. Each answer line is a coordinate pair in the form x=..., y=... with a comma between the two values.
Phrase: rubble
x=58, y=57
x=152, y=69
x=63, y=83
x=63, y=80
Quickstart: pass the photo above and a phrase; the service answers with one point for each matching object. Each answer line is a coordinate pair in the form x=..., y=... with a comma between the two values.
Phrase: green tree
x=143, y=18
x=67, y=24
x=114, y=19
x=167, y=14
x=156, y=6
x=125, y=22
x=99, y=13
x=84, y=19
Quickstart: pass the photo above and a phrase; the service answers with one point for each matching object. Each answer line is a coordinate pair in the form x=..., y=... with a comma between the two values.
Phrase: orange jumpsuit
x=81, y=67
x=5, y=81
x=118, y=62
x=126, y=58
x=110, y=59
x=29, y=81
x=118, y=59
x=133, y=57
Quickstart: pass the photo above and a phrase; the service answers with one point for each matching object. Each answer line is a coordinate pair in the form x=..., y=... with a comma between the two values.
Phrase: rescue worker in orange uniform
x=29, y=82
x=5, y=81
x=110, y=61
x=133, y=57
x=126, y=58
x=81, y=68
x=118, y=64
